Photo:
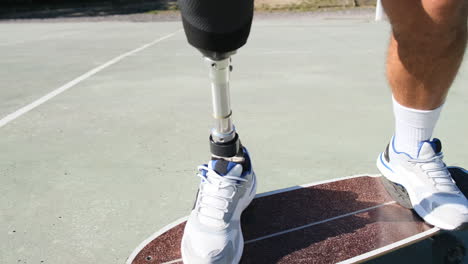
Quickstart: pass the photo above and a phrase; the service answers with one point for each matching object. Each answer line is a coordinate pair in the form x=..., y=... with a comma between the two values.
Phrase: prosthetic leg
x=218, y=28
x=213, y=233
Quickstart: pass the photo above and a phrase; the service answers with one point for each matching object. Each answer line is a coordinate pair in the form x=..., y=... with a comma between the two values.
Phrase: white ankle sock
x=413, y=126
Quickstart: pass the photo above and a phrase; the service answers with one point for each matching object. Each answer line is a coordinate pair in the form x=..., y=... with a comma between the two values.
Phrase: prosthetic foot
x=213, y=232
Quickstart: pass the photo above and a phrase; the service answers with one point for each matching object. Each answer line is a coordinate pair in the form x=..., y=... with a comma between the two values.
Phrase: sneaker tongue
x=212, y=216
x=429, y=149
x=224, y=167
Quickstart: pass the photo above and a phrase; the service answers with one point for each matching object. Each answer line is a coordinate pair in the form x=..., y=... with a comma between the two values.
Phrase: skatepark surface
x=103, y=123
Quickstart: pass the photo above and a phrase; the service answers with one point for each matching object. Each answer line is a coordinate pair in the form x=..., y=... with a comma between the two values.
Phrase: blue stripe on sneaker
x=393, y=147
x=383, y=163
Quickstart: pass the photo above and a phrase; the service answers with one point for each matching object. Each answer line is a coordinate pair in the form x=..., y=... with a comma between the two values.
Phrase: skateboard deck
x=345, y=220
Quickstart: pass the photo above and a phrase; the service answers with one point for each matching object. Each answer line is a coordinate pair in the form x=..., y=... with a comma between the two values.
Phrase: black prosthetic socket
x=218, y=26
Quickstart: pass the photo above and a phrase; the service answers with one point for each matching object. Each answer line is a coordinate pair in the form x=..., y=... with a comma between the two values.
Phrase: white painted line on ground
x=317, y=223
x=152, y=237
x=7, y=119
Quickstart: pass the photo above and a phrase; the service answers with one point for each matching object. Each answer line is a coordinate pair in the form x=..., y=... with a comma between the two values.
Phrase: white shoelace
x=437, y=171
x=216, y=193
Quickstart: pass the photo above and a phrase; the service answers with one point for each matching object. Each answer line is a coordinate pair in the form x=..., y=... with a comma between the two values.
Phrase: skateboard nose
x=455, y=215
x=206, y=255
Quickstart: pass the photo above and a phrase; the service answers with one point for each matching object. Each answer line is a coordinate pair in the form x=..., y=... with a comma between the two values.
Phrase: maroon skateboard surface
x=343, y=220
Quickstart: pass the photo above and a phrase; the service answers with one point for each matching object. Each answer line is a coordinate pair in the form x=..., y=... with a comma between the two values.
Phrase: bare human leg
x=426, y=49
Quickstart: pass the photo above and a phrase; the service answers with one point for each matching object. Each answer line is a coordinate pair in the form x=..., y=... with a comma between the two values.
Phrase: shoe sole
x=397, y=192
x=400, y=191
x=243, y=204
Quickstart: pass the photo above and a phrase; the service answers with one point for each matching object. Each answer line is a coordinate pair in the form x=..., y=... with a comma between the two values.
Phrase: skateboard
x=345, y=220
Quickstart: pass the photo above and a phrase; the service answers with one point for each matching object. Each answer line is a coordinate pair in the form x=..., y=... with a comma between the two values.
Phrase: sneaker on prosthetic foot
x=213, y=232
x=432, y=192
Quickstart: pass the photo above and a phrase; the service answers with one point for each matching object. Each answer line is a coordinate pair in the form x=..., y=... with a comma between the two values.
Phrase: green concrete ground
x=88, y=175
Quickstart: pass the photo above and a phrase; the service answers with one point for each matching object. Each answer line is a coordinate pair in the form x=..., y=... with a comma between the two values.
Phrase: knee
x=432, y=23
x=426, y=15
x=444, y=9
x=445, y=14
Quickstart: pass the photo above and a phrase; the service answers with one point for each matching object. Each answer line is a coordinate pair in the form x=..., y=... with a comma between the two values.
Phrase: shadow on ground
x=73, y=9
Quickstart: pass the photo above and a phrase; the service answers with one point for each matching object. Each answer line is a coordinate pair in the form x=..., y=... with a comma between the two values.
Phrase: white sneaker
x=213, y=232
x=432, y=192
